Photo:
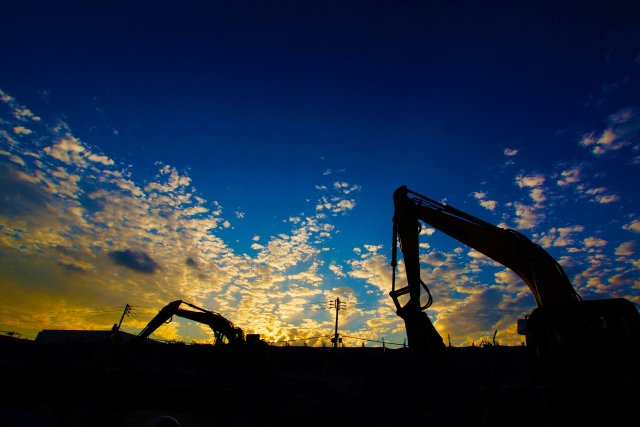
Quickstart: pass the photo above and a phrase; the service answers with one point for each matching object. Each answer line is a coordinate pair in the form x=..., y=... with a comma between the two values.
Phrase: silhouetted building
x=49, y=336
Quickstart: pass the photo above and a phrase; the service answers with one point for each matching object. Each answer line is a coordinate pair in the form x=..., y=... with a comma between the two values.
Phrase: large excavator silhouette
x=224, y=331
x=575, y=347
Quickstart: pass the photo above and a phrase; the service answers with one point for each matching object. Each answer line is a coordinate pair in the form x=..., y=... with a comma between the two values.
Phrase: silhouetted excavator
x=580, y=346
x=224, y=331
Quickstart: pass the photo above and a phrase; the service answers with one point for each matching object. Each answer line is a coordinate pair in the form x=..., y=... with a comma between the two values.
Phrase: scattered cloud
x=623, y=127
x=22, y=113
x=538, y=196
x=607, y=198
x=558, y=237
x=138, y=261
x=527, y=217
x=21, y=130
x=570, y=176
x=532, y=180
x=633, y=226
x=626, y=249
x=485, y=203
x=337, y=203
x=427, y=231
x=336, y=269
x=590, y=242
x=5, y=98
x=67, y=210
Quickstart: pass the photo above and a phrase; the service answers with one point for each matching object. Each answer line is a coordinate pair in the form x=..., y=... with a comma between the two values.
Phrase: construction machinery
x=570, y=342
x=224, y=331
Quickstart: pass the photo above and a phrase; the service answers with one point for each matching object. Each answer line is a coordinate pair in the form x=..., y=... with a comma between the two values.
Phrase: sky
x=242, y=156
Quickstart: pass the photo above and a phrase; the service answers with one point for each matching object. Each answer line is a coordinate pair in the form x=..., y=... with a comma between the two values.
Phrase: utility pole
x=114, y=334
x=127, y=309
x=337, y=305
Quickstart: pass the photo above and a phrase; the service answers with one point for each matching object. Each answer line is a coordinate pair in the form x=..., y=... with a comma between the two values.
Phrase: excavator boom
x=223, y=329
x=543, y=275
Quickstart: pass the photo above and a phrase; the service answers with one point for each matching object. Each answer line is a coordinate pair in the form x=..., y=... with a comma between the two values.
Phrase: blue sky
x=243, y=156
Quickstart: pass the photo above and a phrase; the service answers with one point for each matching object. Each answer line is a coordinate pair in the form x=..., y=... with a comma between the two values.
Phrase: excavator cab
x=595, y=343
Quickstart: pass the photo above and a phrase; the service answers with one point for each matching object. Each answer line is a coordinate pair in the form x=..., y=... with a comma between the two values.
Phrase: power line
x=481, y=313
x=382, y=342
x=72, y=311
x=300, y=339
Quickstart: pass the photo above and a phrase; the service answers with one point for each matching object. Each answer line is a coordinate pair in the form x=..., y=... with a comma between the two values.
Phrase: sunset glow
x=244, y=160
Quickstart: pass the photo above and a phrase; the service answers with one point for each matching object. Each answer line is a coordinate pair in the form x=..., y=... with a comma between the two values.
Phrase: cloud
x=590, y=242
x=527, y=217
x=5, y=98
x=510, y=152
x=67, y=150
x=624, y=127
x=538, y=196
x=22, y=113
x=588, y=139
x=171, y=183
x=336, y=203
x=625, y=115
x=343, y=291
x=336, y=269
x=345, y=188
x=20, y=195
x=373, y=268
x=510, y=281
x=100, y=159
x=559, y=237
x=310, y=276
x=532, y=180
x=570, y=176
x=285, y=251
x=16, y=159
x=427, y=231
x=628, y=280
x=598, y=190
x=606, y=198
x=478, y=195
x=487, y=204
x=135, y=260
x=608, y=141
x=8, y=137
x=21, y=130
x=599, y=197
x=626, y=248
x=482, y=312
x=633, y=226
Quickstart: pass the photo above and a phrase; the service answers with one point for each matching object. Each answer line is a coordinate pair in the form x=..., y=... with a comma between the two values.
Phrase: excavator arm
x=543, y=275
x=223, y=329
x=540, y=271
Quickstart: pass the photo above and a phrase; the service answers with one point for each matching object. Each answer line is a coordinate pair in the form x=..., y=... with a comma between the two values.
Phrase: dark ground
x=68, y=385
